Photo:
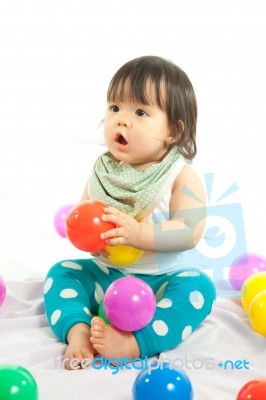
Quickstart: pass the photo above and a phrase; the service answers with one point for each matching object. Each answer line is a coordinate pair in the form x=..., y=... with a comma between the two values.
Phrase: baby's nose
x=124, y=122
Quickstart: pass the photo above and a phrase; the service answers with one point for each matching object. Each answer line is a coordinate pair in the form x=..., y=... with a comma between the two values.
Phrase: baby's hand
x=102, y=253
x=127, y=231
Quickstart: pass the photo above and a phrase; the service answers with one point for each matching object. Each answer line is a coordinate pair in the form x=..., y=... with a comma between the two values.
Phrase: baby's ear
x=171, y=140
x=180, y=127
x=175, y=133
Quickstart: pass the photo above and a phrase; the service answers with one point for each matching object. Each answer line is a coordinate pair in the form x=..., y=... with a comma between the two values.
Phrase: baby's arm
x=85, y=194
x=180, y=233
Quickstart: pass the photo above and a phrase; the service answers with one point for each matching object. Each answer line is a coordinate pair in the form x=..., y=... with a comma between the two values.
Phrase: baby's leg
x=184, y=299
x=72, y=293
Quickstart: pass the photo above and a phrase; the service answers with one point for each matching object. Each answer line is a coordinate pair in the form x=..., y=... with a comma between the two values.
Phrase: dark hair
x=173, y=93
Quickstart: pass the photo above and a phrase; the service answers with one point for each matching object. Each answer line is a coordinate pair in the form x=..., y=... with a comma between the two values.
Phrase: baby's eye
x=114, y=108
x=141, y=113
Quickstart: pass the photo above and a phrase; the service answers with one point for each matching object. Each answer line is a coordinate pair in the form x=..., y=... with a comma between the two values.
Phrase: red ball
x=84, y=225
x=255, y=389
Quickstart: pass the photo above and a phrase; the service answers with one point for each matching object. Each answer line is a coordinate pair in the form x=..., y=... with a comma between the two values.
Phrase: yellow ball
x=257, y=313
x=251, y=287
x=123, y=255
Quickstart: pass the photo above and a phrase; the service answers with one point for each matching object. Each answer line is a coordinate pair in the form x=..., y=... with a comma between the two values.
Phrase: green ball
x=102, y=314
x=17, y=383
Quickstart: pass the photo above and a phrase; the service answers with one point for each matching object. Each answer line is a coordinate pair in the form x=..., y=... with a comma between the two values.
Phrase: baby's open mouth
x=120, y=139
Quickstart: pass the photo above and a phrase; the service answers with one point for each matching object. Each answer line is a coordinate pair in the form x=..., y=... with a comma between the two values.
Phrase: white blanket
x=27, y=340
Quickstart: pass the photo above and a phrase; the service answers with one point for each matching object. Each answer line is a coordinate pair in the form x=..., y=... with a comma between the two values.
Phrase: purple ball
x=2, y=290
x=60, y=219
x=245, y=266
x=129, y=303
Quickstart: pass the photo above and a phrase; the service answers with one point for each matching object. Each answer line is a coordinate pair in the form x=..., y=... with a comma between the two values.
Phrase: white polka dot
x=160, y=291
x=48, y=285
x=103, y=268
x=196, y=299
x=188, y=273
x=87, y=311
x=186, y=332
x=165, y=303
x=160, y=327
x=55, y=316
x=99, y=293
x=71, y=264
x=68, y=293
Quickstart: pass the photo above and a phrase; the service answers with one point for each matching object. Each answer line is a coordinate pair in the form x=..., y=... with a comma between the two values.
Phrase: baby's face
x=136, y=133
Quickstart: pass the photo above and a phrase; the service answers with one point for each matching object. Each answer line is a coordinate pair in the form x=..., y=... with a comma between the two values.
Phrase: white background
x=56, y=60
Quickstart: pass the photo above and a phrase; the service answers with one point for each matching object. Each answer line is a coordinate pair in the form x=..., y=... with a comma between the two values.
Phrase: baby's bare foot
x=111, y=342
x=79, y=352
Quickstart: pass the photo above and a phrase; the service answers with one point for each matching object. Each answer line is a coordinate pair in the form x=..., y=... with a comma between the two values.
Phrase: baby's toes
x=97, y=322
x=73, y=361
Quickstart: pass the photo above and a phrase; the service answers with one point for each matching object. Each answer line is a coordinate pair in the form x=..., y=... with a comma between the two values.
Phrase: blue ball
x=163, y=383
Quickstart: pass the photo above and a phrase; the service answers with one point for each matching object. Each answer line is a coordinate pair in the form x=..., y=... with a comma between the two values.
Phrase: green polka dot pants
x=74, y=289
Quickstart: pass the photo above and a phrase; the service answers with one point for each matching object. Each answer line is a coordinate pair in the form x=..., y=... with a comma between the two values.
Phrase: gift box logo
x=222, y=243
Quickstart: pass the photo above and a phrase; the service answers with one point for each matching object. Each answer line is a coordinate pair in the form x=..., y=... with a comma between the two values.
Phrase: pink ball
x=245, y=266
x=60, y=219
x=129, y=303
x=2, y=290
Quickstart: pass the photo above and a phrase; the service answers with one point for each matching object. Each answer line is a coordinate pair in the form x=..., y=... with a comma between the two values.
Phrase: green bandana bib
x=130, y=190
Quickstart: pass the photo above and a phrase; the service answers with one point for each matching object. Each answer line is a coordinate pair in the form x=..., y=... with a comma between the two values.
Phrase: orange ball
x=254, y=389
x=84, y=225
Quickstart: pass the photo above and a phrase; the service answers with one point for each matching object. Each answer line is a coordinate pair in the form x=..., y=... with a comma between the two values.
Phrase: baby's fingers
x=111, y=218
x=112, y=233
x=104, y=253
x=95, y=253
x=111, y=210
